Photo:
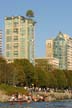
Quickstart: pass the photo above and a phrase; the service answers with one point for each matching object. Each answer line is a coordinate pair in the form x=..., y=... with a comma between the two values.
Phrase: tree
x=51, y=80
x=28, y=70
x=40, y=77
x=3, y=67
x=68, y=74
x=10, y=73
x=61, y=79
x=19, y=75
x=30, y=13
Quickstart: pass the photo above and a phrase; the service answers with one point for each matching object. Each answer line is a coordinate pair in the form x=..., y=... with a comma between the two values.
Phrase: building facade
x=62, y=50
x=47, y=62
x=19, y=38
x=0, y=42
x=69, y=54
x=49, y=48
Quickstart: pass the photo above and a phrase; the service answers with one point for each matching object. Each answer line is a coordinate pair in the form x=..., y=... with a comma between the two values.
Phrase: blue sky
x=51, y=16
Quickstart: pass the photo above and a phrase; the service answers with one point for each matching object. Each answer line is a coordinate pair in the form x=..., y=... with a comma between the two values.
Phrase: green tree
x=61, y=79
x=20, y=75
x=30, y=13
x=10, y=71
x=68, y=74
x=3, y=67
x=51, y=80
x=40, y=77
x=28, y=70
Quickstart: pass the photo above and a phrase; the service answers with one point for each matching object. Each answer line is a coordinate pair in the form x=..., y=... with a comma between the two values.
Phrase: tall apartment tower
x=49, y=48
x=50, y=53
x=19, y=38
x=61, y=48
x=60, y=51
x=0, y=42
x=69, y=54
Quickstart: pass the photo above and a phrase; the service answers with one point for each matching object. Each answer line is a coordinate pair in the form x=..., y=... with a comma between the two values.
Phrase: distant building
x=49, y=48
x=60, y=43
x=0, y=42
x=69, y=54
x=19, y=38
x=50, y=53
x=45, y=62
x=62, y=50
x=54, y=62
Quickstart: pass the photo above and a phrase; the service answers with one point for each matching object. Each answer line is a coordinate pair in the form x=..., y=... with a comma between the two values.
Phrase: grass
x=11, y=89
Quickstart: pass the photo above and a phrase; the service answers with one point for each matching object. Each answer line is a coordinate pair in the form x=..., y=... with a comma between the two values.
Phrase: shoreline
x=40, y=96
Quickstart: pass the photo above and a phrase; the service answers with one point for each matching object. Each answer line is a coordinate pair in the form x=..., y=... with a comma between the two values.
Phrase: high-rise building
x=0, y=42
x=19, y=38
x=69, y=54
x=49, y=48
x=62, y=50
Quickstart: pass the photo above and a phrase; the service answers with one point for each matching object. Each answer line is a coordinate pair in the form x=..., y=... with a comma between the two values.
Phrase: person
x=20, y=96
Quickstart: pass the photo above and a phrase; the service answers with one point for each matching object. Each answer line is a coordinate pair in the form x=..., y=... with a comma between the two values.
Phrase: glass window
x=22, y=22
x=30, y=30
x=15, y=53
x=15, y=38
x=9, y=39
x=8, y=22
x=8, y=54
x=15, y=45
x=15, y=24
x=8, y=46
x=22, y=31
x=22, y=53
x=15, y=30
x=49, y=45
x=8, y=31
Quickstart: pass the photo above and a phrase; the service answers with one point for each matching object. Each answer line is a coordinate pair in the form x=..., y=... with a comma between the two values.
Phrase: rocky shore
x=54, y=96
x=41, y=96
x=3, y=96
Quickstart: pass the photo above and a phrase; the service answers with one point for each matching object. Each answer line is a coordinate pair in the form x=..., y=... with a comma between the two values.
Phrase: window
x=15, y=24
x=8, y=31
x=15, y=45
x=30, y=30
x=8, y=23
x=49, y=45
x=22, y=31
x=15, y=53
x=15, y=38
x=8, y=46
x=9, y=38
x=8, y=54
x=22, y=53
x=15, y=30
x=22, y=22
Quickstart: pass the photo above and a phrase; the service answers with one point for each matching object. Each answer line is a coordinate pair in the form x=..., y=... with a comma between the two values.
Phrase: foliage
x=28, y=70
x=11, y=89
x=61, y=79
x=40, y=77
x=68, y=75
x=29, y=13
x=22, y=73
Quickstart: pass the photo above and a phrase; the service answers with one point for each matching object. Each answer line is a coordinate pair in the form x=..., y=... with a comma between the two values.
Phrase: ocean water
x=57, y=104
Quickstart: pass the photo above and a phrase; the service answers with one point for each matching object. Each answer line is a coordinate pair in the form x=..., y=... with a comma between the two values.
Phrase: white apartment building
x=19, y=38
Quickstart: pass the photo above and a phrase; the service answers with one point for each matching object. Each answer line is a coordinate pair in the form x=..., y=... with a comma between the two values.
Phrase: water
x=58, y=104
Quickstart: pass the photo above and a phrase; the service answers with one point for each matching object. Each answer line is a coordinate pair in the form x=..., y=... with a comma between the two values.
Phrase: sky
x=52, y=16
